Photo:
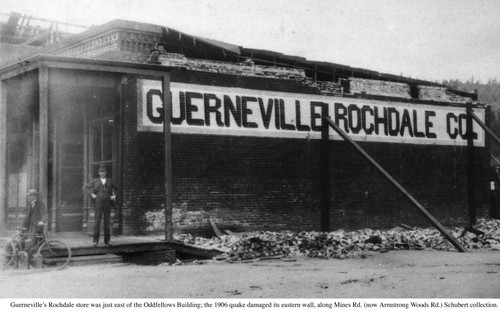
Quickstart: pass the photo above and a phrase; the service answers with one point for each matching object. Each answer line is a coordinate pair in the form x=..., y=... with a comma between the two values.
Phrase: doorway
x=66, y=162
x=101, y=148
x=84, y=139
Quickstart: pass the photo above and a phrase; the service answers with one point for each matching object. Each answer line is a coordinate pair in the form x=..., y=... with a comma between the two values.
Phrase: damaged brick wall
x=140, y=47
x=403, y=90
x=378, y=87
x=255, y=183
x=439, y=94
x=239, y=182
x=247, y=68
x=357, y=86
x=434, y=175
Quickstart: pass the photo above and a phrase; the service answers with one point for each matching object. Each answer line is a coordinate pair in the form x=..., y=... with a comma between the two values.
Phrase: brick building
x=246, y=129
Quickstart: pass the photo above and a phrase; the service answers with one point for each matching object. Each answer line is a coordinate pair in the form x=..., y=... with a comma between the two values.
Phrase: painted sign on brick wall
x=203, y=109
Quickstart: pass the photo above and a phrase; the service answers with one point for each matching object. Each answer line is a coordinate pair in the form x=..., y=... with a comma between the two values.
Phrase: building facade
x=246, y=137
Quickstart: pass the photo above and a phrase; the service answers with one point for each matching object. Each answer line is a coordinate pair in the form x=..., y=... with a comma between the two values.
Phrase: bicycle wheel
x=8, y=254
x=54, y=253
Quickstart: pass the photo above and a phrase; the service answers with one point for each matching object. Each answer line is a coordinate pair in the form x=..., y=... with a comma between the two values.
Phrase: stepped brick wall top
x=137, y=46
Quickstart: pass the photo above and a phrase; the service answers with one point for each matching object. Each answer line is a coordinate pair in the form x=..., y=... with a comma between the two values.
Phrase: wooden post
x=43, y=80
x=471, y=176
x=3, y=156
x=82, y=100
x=121, y=91
x=326, y=168
x=167, y=116
x=485, y=128
x=56, y=174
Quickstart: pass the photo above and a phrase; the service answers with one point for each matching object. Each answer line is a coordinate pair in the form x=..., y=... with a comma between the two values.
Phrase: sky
x=425, y=39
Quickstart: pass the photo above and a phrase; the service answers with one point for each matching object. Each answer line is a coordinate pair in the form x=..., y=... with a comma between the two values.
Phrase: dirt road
x=397, y=274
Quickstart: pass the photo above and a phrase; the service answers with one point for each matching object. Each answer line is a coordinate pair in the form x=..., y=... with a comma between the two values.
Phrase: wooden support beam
x=424, y=212
x=486, y=128
x=92, y=66
x=82, y=100
x=43, y=78
x=167, y=116
x=3, y=156
x=18, y=70
x=56, y=176
x=326, y=167
x=121, y=91
x=471, y=175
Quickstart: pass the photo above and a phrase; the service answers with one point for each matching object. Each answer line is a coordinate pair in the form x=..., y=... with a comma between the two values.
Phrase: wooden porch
x=142, y=250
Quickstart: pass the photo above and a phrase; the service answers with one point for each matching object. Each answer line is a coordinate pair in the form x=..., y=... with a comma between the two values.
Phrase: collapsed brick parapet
x=141, y=43
x=440, y=94
x=377, y=87
x=350, y=86
x=404, y=91
x=247, y=68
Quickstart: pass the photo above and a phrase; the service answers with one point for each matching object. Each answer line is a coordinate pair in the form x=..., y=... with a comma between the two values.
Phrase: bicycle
x=46, y=252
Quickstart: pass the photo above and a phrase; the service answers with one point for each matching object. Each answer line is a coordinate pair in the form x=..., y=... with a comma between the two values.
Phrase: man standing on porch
x=103, y=192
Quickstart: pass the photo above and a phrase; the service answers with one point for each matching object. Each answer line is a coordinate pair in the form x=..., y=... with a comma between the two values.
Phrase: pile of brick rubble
x=346, y=244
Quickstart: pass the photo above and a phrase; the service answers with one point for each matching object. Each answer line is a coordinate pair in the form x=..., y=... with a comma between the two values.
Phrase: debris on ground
x=345, y=244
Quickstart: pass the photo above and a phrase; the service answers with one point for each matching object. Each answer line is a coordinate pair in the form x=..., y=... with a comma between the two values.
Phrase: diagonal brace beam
x=485, y=128
x=422, y=209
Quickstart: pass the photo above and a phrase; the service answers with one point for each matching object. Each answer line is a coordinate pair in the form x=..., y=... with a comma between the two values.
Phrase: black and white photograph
x=250, y=154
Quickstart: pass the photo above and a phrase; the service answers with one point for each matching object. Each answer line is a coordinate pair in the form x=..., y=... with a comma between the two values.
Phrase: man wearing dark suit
x=36, y=216
x=103, y=191
x=34, y=222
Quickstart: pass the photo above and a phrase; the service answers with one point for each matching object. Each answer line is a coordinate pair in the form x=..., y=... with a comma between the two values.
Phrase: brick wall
x=403, y=90
x=378, y=87
x=439, y=94
x=240, y=182
x=252, y=183
x=434, y=175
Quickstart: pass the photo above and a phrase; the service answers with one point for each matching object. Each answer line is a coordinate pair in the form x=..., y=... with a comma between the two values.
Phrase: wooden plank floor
x=81, y=245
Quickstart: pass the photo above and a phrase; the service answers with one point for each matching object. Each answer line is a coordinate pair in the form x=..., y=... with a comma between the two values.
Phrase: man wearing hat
x=36, y=217
x=103, y=191
x=37, y=214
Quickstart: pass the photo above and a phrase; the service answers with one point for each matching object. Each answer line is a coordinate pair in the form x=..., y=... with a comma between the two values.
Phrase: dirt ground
x=396, y=274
